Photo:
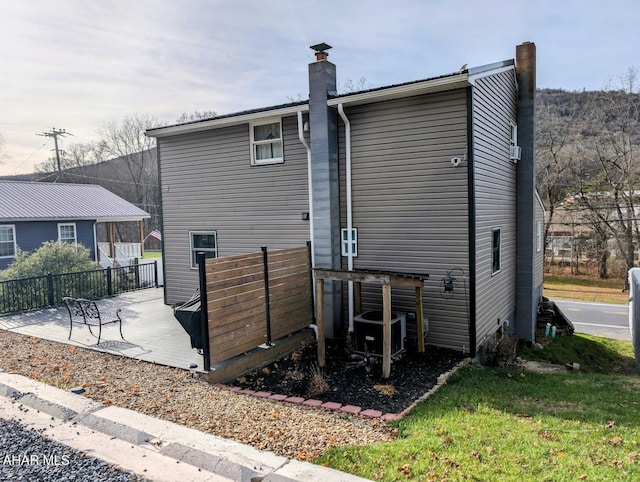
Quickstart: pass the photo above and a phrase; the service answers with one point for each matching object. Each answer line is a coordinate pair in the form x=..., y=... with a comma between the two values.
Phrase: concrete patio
x=151, y=332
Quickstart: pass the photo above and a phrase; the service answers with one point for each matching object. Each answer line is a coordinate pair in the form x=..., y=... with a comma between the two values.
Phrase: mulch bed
x=350, y=380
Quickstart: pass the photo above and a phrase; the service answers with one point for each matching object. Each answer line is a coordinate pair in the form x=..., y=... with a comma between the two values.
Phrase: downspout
x=310, y=187
x=347, y=142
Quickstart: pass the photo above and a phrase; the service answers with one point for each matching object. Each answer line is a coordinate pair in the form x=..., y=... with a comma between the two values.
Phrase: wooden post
x=141, y=226
x=386, y=330
x=320, y=320
x=419, y=320
x=112, y=240
x=357, y=297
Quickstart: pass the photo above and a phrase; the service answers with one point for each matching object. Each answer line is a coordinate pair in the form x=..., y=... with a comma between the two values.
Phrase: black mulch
x=352, y=381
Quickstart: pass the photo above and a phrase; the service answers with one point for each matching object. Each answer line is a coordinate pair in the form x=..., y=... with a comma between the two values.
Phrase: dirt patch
x=349, y=379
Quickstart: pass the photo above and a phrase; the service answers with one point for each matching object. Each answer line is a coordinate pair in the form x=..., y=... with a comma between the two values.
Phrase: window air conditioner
x=514, y=153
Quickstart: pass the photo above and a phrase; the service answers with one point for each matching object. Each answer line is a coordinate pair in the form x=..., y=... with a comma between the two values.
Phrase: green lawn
x=585, y=289
x=496, y=424
x=152, y=254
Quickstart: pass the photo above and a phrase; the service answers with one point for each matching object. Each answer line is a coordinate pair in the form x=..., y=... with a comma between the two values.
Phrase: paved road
x=611, y=321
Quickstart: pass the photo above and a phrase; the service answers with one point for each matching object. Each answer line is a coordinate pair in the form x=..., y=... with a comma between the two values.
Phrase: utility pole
x=55, y=133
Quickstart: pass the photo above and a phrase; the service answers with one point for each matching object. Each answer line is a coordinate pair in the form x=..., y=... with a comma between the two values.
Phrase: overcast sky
x=76, y=64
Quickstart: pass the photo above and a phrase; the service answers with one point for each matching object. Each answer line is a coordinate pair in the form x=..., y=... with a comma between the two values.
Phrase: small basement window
x=8, y=241
x=495, y=250
x=266, y=142
x=202, y=241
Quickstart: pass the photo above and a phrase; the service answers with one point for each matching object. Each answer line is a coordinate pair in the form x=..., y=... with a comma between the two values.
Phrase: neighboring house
x=32, y=213
x=435, y=176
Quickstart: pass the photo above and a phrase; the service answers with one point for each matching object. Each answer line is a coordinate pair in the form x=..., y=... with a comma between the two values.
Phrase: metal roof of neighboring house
x=463, y=78
x=45, y=201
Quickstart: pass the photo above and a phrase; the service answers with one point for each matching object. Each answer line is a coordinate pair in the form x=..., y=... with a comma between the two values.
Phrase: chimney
x=526, y=291
x=323, y=127
x=321, y=51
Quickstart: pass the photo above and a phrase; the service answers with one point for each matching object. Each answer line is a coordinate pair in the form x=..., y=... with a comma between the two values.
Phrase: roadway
x=600, y=319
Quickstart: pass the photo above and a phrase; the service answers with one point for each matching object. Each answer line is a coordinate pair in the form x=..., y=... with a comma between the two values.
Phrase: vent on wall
x=514, y=153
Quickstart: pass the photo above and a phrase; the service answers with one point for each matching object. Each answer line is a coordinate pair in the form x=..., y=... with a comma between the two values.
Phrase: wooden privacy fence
x=254, y=298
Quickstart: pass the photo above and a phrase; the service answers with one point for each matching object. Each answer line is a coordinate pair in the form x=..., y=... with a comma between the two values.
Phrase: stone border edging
x=348, y=409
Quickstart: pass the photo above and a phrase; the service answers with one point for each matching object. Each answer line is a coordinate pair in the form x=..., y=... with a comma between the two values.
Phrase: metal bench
x=86, y=312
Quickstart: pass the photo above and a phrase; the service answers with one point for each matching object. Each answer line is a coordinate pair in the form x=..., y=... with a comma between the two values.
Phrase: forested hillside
x=588, y=164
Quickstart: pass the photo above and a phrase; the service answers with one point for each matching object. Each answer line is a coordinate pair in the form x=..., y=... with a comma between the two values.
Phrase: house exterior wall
x=410, y=205
x=209, y=184
x=31, y=234
x=494, y=108
x=539, y=243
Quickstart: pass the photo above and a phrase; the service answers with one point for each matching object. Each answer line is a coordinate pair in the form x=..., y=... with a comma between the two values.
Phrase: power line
x=55, y=133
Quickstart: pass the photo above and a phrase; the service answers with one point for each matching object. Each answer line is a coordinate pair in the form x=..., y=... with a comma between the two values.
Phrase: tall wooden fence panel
x=236, y=300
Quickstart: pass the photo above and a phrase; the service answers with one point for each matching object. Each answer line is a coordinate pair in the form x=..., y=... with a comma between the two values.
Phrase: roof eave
x=440, y=84
x=224, y=122
x=99, y=219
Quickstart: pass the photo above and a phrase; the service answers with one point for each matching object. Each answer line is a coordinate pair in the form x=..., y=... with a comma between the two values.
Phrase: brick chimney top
x=321, y=51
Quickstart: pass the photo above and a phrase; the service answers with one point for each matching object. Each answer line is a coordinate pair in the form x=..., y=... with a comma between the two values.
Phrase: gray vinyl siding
x=410, y=204
x=494, y=106
x=208, y=184
x=539, y=256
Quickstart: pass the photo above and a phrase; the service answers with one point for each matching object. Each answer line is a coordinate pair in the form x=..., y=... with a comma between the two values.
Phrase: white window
x=7, y=241
x=538, y=236
x=205, y=242
x=514, y=134
x=266, y=142
x=349, y=243
x=67, y=233
x=495, y=250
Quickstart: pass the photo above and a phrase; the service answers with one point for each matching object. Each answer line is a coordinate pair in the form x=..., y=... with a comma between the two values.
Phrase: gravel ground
x=172, y=394
x=28, y=455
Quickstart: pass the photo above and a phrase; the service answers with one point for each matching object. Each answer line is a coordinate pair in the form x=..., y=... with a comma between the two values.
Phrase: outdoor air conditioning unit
x=514, y=153
x=368, y=332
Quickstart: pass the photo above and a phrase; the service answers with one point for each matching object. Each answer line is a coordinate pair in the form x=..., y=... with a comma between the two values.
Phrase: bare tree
x=349, y=86
x=3, y=155
x=610, y=177
x=555, y=140
x=74, y=158
x=195, y=116
x=135, y=155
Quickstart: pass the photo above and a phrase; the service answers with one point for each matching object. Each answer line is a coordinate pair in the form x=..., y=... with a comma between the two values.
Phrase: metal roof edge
x=490, y=69
x=230, y=120
x=437, y=84
x=99, y=219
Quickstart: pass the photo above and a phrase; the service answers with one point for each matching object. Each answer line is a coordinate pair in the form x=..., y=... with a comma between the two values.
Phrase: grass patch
x=152, y=254
x=500, y=424
x=594, y=354
x=585, y=289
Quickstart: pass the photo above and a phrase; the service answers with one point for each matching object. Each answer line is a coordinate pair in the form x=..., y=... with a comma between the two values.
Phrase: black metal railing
x=43, y=291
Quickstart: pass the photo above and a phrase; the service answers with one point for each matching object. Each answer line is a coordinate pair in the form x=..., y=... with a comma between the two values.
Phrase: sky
x=79, y=64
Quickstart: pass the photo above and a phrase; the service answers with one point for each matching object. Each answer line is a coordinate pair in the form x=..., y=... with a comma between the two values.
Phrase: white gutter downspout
x=347, y=141
x=306, y=146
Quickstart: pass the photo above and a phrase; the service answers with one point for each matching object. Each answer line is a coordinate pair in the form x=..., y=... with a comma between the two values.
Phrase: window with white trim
x=349, y=243
x=495, y=250
x=266, y=142
x=8, y=246
x=202, y=241
x=67, y=233
x=538, y=236
x=513, y=137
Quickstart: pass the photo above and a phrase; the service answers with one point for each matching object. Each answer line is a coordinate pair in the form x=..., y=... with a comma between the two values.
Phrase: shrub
x=51, y=257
